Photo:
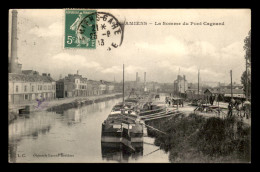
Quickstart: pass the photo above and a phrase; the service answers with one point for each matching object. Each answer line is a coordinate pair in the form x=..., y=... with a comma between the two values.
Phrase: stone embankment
x=82, y=101
x=62, y=104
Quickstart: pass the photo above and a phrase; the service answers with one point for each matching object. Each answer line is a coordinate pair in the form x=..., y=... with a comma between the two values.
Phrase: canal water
x=72, y=136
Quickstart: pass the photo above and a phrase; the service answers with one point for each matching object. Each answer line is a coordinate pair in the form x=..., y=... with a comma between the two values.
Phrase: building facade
x=180, y=84
x=71, y=86
x=77, y=86
x=28, y=88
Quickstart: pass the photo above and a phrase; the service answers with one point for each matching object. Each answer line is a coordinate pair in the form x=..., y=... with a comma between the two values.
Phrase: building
x=76, y=86
x=180, y=84
x=225, y=94
x=213, y=92
x=27, y=88
x=237, y=93
x=30, y=72
x=234, y=86
x=153, y=86
x=166, y=88
x=110, y=87
x=102, y=87
x=93, y=88
x=72, y=86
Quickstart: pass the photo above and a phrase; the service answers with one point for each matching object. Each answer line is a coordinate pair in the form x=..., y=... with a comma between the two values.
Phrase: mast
x=123, y=84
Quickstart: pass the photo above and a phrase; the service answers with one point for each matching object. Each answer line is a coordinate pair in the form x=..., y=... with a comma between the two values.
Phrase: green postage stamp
x=90, y=29
x=80, y=29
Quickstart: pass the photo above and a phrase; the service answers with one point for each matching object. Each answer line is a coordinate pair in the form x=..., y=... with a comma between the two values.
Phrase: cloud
x=133, y=69
x=113, y=70
x=129, y=69
x=201, y=48
x=68, y=60
x=53, y=30
x=170, y=45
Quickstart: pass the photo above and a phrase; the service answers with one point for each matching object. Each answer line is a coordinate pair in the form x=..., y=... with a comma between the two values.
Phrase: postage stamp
x=77, y=33
x=90, y=29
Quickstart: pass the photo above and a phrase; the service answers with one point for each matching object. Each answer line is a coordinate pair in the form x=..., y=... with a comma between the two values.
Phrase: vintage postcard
x=129, y=86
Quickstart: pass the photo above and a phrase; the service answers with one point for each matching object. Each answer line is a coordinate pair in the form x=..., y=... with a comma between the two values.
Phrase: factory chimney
x=145, y=89
x=14, y=66
x=136, y=76
x=144, y=77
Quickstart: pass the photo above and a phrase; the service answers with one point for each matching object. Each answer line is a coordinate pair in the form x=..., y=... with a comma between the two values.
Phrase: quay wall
x=13, y=112
x=81, y=102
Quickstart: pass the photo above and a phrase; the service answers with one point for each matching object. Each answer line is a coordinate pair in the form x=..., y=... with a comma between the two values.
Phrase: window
x=44, y=87
x=32, y=88
x=16, y=89
x=26, y=97
x=25, y=88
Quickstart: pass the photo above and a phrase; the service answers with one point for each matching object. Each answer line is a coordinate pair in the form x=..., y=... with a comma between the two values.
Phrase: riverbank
x=62, y=104
x=196, y=139
x=12, y=116
x=82, y=101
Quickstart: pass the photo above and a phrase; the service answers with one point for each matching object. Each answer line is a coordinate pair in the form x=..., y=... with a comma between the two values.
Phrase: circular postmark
x=102, y=29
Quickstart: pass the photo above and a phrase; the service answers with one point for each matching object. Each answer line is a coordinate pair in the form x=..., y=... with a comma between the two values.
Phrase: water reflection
x=120, y=153
x=25, y=126
x=75, y=131
x=73, y=116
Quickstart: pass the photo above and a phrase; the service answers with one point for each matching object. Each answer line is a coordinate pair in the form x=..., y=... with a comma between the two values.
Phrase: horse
x=241, y=108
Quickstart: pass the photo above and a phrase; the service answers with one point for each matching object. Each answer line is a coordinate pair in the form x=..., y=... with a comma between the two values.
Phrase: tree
x=246, y=76
x=247, y=47
x=243, y=81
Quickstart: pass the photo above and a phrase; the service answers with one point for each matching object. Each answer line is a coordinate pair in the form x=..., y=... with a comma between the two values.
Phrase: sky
x=162, y=51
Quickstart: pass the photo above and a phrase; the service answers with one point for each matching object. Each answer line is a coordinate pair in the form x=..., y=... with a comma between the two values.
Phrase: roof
x=29, y=78
x=27, y=71
x=30, y=72
x=225, y=91
x=93, y=82
x=192, y=89
x=235, y=85
x=214, y=90
x=234, y=91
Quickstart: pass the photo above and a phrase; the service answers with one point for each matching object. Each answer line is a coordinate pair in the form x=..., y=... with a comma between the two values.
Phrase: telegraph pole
x=184, y=87
x=123, y=84
x=246, y=82
x=198, y=82
x=231, y=85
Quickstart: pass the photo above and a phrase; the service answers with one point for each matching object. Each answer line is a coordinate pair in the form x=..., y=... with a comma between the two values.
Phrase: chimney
x=77, y=72
x=136, y=76
x=144, y=77
x=14, y=58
